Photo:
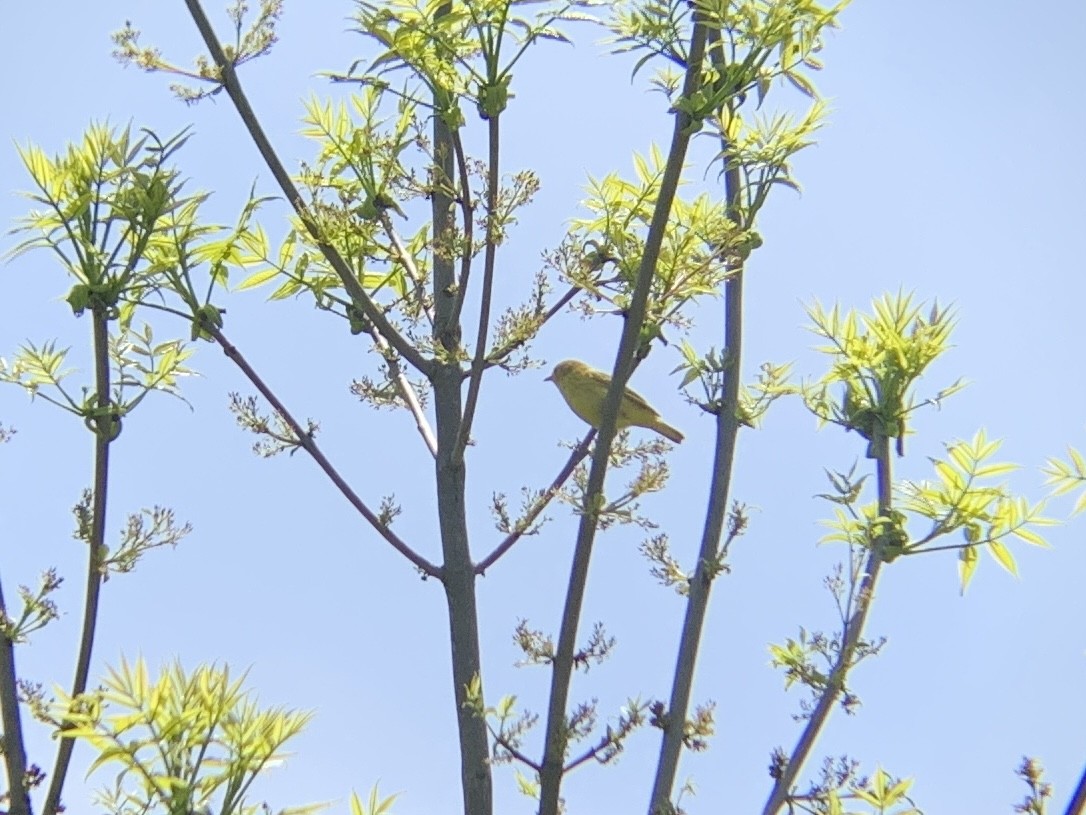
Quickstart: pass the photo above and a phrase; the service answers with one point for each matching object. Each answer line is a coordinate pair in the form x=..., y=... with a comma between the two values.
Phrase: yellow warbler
x=585, y=389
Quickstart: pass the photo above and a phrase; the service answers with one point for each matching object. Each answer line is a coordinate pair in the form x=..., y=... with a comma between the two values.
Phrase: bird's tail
x=667, y=431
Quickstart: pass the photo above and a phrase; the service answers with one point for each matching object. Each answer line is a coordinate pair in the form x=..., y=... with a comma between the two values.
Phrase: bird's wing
x=639, y=400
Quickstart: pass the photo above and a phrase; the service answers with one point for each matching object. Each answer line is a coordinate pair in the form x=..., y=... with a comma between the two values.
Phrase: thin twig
x=409, y=264
x=407, y=390
x=589, y=754
x=467, y=213
x=515, y=753
x=575, y=458
x=501, y=352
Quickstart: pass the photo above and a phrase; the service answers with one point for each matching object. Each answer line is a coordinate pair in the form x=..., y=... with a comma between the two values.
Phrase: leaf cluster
x=1069, y=475
x=184, y=741
x=457, y=54
x=700, y=242
x=38, y=609
x=876, y=359
x=963, y=497
x=840, y=788
x=250, y=42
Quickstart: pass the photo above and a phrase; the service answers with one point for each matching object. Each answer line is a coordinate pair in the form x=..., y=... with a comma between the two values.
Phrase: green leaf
x=1031, y=537
x=993, y=470
x=377, y=805
x=985, y=448
x=257, y=279
x=506, y=706
x=898, y=791
x=949, y=476
x=289, y=288
x=962, y=456
x=1080, y=504
x=527, y=786
x=967, y=565
x=1003, y=557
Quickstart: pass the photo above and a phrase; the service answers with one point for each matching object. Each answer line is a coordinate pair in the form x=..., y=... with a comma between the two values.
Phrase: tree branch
x=503, y=351
x=700, y=584
x=467, y=213
x=104, y=433
x=477, y=364
x=307, y=443
x=575, y=458
x=556, y=737
x=853, y=630
x=358, y=295
x=14, y=749
x=1077, y=804
x=514, y=752
x=410, y=398
x=459, y=579
x=408, y=263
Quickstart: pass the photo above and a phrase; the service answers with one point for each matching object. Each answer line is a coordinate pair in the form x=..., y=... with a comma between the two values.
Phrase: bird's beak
x=549, y=378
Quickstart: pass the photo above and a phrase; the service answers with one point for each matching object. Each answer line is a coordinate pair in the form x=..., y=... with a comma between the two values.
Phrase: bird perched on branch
x=585, y=389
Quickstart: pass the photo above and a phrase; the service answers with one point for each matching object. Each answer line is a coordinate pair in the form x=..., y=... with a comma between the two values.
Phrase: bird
x=585, y=389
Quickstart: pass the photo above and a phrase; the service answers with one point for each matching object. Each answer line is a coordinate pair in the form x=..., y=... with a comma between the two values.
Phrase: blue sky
x=950, y=166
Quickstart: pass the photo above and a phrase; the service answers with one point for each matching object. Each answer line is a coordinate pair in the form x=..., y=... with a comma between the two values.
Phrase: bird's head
x=564, y=369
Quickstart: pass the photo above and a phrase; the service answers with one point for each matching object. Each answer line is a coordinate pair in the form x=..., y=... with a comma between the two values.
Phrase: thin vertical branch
x=14, y=749
x=700, y=586
x=104, y=433
x=467, y=214
x=556, y=738
x=478, y=362
x=853, y=631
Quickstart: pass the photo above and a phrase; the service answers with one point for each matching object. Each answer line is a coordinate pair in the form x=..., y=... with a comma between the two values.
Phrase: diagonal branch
x=503, y=351
x=700, y=584
x=513, y=751
x=556, y=728
x=407, y=390
x=1077, y=804
x=307, y=443
x=575, y=458
x=358, y=294
x=782, y=787
x=409, y=264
